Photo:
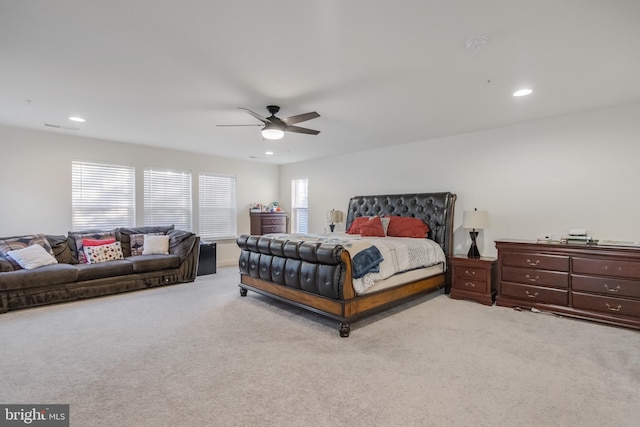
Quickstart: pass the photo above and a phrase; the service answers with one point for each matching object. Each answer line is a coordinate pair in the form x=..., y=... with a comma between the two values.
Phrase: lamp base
x=473, y=250
x=332, y=227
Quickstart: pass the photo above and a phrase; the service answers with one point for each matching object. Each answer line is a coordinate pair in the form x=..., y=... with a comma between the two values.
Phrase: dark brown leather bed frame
x=318, y=277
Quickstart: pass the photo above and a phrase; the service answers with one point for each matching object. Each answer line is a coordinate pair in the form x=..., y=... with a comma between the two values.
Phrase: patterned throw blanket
x=378, y=258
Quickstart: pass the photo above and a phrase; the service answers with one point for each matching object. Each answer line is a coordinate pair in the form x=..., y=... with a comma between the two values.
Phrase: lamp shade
x=476, y=220
x=334, y=216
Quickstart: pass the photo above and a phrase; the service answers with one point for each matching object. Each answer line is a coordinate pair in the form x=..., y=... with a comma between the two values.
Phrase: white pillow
x=155, y=245
x=385, y=224
x=32, y=256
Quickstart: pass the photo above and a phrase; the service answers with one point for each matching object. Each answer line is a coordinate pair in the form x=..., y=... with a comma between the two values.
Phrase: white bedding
x=399, y=254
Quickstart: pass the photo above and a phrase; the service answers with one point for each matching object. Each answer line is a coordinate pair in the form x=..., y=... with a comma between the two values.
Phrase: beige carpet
x=200, y=355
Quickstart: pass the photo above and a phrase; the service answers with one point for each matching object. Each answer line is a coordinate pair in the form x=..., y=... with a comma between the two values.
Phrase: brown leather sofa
x=70, y=280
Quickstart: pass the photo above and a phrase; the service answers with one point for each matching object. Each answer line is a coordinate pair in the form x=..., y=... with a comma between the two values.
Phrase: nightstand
x=473, y=278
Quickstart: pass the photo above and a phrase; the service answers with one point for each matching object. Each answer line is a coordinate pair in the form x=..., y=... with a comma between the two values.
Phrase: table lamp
x=475, y=220
x=334, y=216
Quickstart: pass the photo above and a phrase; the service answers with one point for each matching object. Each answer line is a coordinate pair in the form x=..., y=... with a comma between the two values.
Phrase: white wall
x=35, y=179
x=535, y=179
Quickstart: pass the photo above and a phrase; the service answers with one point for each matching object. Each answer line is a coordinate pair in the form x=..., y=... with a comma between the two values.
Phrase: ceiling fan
x=275, y=127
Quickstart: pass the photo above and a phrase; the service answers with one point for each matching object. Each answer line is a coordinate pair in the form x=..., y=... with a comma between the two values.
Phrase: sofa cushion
x=124, y=235
x=60, y=247
x=104, y=269
x=5, y=265
x=137, y=242
x=20, y=242
x=181, y=243
x=142, y=263
x=47, y=275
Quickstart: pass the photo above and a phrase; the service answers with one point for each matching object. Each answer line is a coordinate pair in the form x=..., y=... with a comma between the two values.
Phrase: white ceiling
x=165, y=73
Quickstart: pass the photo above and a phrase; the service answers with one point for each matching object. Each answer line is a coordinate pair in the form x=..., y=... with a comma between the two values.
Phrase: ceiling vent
x=60, y=127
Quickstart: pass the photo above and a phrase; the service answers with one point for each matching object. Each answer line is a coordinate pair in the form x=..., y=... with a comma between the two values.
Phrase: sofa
x=92, y=263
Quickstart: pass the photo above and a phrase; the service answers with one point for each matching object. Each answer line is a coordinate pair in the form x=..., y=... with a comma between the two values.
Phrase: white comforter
x=399, y=253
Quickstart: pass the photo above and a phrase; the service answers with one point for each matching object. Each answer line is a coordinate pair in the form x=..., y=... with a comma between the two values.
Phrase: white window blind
x=300, y=205
x=103, y=196
x=217, y=211
x=167, y=198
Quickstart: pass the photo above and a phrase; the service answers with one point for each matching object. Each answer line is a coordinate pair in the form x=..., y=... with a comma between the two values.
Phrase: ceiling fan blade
x=298, y=129
x=256, y=115
x=255, y=124
x=300, y=118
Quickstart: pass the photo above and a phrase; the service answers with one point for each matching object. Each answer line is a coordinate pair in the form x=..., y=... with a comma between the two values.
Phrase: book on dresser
x=584, y=281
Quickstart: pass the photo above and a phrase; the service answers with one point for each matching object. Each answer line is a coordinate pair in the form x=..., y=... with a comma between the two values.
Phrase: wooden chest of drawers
x=590, y=282
x=265, y=223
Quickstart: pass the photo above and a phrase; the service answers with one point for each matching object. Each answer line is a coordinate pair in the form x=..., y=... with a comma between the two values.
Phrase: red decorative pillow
x=97, y=242
x=372, y=228
x=355, y=225
x=407, y=227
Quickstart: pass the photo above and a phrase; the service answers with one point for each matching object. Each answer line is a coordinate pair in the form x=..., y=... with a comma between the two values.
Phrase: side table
x=473, y=278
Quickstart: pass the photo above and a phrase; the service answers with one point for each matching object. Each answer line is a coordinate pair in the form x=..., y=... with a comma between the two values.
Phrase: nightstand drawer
x=529, y=276
x=274, y=220
x=535, y=294
x=266, y=229
x=471, y=273
x=470, y=285
x=539, y=261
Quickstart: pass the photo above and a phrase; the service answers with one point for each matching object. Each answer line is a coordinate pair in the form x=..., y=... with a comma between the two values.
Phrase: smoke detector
x=475, y=43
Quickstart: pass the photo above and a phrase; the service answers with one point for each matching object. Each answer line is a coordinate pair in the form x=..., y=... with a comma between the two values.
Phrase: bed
x=316, y=272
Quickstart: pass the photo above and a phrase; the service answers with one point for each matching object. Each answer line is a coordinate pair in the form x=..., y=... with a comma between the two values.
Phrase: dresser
x=265, y=223
x=473, y=278
x=600, y=283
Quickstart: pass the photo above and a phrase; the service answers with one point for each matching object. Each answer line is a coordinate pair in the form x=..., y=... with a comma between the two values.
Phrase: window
x=167, y=198
x=300, y=205
x=218, y=213
x=103, y=196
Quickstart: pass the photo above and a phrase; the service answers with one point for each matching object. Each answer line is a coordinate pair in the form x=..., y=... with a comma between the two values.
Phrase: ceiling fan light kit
x=271, y=132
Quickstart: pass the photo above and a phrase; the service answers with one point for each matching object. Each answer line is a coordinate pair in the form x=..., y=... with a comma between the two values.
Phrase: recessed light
x=522, y=92
x=77, y=119
x=269, y=153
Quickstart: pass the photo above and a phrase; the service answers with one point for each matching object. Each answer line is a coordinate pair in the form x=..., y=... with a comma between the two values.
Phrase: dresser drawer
x=606, y=285
x=279, y=228
x=473, y=273
x=533, y=260
x=617, y=306
x=529, y=276
x=606, y=267
x=471, y=285
x=534, y=294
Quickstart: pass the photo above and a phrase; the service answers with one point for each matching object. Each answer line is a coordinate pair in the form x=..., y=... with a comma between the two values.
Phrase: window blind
x=217, y=211
x=103, y=196
x=300, y=205
x=167, y=198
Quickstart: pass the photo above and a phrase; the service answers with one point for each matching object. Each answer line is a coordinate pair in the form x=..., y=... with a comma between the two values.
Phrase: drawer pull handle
x=532, y=262
x=533, y=279
x=613, y=308
x=531, y=295
x=616, y=289
x=472, y=273
x=473, y=285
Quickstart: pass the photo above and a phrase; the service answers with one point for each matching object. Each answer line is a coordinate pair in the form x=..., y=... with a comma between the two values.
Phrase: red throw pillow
x=372, y=228
x=407, y=227
x=97, y=242
x=355, y=225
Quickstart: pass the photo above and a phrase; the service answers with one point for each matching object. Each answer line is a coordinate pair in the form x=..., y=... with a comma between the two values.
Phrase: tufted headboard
x=435, y=209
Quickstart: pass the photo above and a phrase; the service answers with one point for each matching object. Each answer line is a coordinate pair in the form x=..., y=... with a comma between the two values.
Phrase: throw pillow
x=20, y=242
x=32, y=256
x=385, y=223
x=97, y=242
x=356, y=223
x=372, y=228
x=104, y=235
x=407, y=227
x=103, y=253
x=155, y=245
x=137, y=242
